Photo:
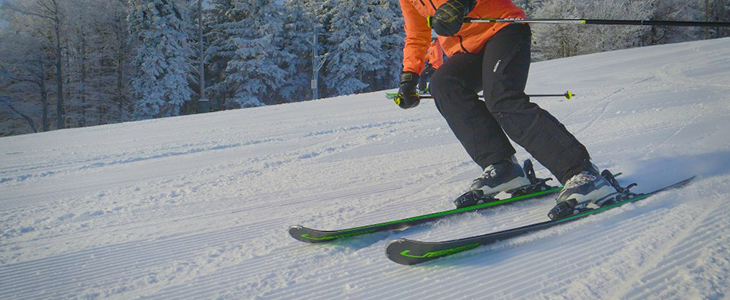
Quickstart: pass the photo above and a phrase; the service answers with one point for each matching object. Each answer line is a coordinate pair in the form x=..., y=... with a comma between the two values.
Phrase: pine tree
x=297, y=43
x=162, y=58
x=354, y=47
x=318, y=14
x=258, y=67
x=220, y=50
x=392, y=37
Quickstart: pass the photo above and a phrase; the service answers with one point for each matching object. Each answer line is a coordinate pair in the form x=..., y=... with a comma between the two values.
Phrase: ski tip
x=393, y=249
x=300, y=233
x=296, y=229
x=686, y=181
x=679, y=184
x=393, y=243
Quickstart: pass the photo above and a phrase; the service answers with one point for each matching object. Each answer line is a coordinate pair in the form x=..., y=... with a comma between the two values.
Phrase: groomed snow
x=198, y=207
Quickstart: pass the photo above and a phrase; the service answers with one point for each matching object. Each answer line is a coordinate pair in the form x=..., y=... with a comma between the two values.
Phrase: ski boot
x=588, y=190
x=504, y=176
x=536, y=184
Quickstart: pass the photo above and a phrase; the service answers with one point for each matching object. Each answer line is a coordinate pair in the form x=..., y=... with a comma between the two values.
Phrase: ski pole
x=568, y=95
x=600, y=22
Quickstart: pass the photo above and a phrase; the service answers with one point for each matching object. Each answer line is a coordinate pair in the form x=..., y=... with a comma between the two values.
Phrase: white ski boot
x=585, y=190
x=502, y=176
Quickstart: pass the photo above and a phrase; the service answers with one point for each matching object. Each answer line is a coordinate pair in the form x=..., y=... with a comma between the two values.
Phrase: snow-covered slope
x=198, y=207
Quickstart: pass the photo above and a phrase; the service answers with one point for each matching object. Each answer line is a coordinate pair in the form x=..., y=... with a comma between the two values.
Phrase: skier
x=434, y=60
x=495, y=58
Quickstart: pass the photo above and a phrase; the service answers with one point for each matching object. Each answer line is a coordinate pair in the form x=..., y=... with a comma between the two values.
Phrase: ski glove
x=407, y=96
x=450, y=16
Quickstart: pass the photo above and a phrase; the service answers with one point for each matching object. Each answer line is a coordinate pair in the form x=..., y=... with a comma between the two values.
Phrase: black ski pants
x=500, y=70
x=425, y=77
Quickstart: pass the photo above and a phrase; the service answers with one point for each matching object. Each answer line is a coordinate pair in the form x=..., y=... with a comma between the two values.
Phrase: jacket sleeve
x=418, y=37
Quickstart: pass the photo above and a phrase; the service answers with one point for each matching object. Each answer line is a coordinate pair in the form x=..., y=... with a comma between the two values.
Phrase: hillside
x=198, y=207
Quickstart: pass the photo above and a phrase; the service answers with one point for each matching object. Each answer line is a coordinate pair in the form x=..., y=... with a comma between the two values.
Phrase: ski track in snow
x=198, y=207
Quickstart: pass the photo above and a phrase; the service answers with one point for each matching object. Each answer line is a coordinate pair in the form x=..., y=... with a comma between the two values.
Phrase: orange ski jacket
x=470, y=39
x=435, y=54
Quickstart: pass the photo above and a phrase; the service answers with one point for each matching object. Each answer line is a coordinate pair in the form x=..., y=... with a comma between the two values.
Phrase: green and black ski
x=310, y=235
x=467, y=202
x=410, y=252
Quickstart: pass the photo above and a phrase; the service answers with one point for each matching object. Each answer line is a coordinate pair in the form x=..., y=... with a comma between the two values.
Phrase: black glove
x=407, y=96
x=450, y=16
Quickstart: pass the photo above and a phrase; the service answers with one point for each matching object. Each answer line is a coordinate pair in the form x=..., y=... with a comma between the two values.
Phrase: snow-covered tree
x=231, y=28
x=392, y=37
x=219, y=50
x=252, y=71
x=162, y=58
x=262, y=63
x=720, y=12
x=355, y=47
x=84, y=58
x=555, y=41
x=560, y=40
x=677, y=10
x=297, y=43
x=609, y=38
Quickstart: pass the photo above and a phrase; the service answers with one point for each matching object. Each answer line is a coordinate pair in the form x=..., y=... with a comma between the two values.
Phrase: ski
x=467, y=202
x=410, y=252
x=309, y=235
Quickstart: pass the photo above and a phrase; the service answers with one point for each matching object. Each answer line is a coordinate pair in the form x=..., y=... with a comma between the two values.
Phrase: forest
x=79, y=63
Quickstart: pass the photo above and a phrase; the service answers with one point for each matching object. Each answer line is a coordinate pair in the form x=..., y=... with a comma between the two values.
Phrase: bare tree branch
x=25, y=11
x=9, y=104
